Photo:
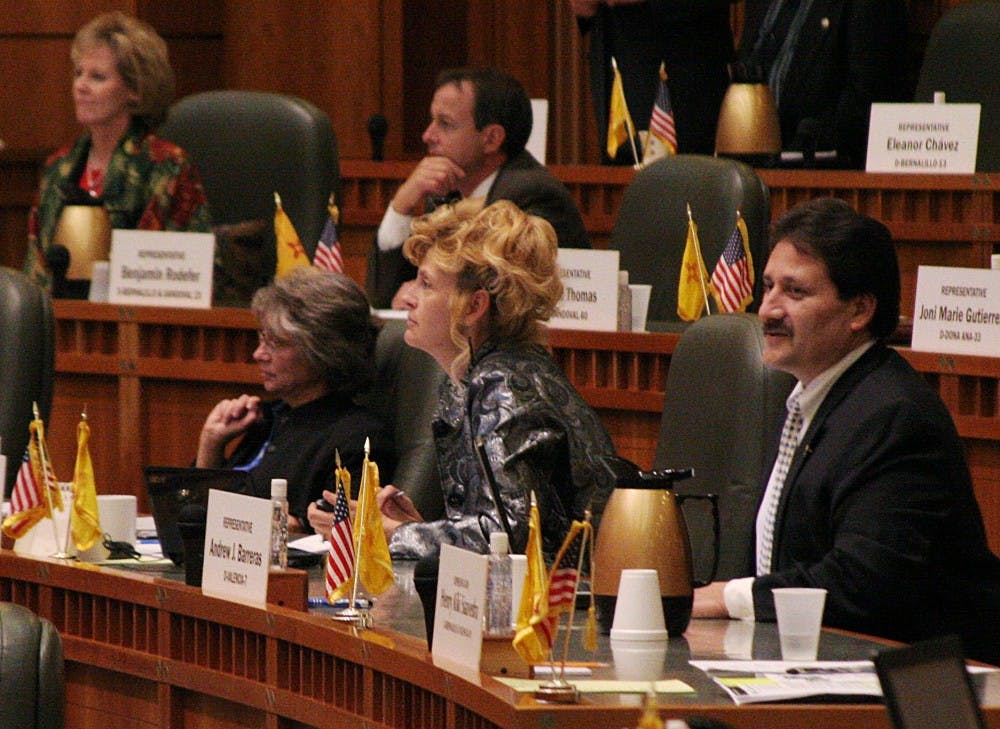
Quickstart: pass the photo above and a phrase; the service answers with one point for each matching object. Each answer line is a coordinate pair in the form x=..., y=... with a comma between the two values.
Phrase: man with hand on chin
x=869, y=496
x=480, y=122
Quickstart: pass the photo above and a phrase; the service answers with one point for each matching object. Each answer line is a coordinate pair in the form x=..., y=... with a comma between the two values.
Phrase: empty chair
x=962, y=59
x=27, y=363
x=723, y=410
x=248, y=145
x=405, y=394
x=31, y=671
x=652, y=224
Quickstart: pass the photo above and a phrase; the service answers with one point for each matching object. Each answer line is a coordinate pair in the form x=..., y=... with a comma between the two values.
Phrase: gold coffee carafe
x=643, y=527
x=85, y=231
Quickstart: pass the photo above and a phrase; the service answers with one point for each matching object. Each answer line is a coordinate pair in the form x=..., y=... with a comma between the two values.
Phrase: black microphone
x=425, y=581
x=57, y=258
x=808, y=133
x=191, y=522
x=378, y=128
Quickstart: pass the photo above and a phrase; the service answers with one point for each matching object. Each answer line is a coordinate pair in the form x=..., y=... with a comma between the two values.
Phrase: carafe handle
x=716, y=531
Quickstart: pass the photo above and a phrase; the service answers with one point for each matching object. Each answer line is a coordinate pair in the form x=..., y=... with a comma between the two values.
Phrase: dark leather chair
x=27, y=363
x=651, y=228
x=722, y=412
x=248, y=145
x=962, y=58
x=31, y=671
x=405, y=394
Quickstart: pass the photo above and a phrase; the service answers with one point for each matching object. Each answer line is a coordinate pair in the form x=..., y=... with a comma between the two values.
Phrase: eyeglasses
x=273, y=343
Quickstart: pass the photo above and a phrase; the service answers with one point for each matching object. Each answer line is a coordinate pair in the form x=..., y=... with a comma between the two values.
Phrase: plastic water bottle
x=279, y=524
x=498, y=588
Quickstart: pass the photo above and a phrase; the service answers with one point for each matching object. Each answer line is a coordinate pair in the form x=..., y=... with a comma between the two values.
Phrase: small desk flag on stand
x=290, y=253
x=36, y=491
x=694, y=286
x=374, y=563
x=85, y=521
x=661, y=141
x=533, y=637
x=340, y=558
x=732, y=278
x=621, y=129
x=329, y=255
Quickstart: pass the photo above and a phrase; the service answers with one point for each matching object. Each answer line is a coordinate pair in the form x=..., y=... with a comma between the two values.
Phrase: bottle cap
x=499, y=543
x=279, y=488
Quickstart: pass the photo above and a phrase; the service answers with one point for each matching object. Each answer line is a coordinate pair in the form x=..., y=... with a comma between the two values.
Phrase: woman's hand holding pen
x=396, y=508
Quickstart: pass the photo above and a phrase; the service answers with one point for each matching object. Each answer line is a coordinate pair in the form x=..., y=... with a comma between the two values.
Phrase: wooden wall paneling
x=191, y=18
x=435, y=37
x=572, y=130
x=18, y=186
x=391, y=100
x=36, y=109
x=59, y=17
x=327, y=53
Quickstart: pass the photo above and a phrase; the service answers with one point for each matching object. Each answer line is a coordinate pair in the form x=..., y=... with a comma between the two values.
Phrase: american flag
x=27, y=492
x=329, y=256
x=28, y=501
x=733, y=274
x=340, y=558
x=562, y=583
x=661, y=123
x=566, y=573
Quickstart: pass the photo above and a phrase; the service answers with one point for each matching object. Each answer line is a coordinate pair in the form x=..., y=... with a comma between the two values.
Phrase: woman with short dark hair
x=317, y=342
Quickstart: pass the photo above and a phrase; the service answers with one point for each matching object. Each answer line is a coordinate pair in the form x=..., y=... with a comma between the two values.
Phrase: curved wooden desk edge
x=162, y=654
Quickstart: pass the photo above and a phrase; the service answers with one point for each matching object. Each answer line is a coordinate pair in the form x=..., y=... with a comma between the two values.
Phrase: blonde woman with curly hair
x=487, y=281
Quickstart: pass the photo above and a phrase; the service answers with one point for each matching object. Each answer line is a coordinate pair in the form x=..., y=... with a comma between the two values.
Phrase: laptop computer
x=171, y=488
x=926, y=686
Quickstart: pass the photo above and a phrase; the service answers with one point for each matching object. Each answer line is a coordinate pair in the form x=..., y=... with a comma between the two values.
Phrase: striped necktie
x=769, y=506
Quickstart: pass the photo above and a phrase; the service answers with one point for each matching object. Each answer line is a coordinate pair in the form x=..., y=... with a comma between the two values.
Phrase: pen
x=343, y=602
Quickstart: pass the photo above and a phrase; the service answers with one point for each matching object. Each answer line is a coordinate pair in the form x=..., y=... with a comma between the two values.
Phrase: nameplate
x=460, y=607
x=161, y=268
x=590, y=290
x=923, y=138
x=957, y=311
x=237, y=548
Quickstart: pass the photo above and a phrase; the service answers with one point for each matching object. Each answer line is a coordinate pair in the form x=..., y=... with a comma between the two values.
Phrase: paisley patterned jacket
x=539, y=435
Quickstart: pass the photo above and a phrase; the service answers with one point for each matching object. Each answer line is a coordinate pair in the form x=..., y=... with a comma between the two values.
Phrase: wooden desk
x=149, y=376
x=942, y=220
x=144, y=652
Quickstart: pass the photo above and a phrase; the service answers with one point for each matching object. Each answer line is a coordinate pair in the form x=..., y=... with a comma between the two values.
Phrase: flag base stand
x=557, y=692
x=59, y=554
x=358, y=618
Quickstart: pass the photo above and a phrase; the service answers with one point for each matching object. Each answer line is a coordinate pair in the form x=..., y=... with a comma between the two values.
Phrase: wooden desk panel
x=149, y=376
x=144, y=652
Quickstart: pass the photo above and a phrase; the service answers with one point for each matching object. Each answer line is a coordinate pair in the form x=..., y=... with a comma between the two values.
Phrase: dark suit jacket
x=850, y=53
x=878, y=508
x=522, y=180
x=692, y=38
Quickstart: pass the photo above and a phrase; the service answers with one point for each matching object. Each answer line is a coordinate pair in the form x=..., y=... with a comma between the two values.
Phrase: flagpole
x=701, y=265
x=46, y=484
x=576, y=589
x=351, y=614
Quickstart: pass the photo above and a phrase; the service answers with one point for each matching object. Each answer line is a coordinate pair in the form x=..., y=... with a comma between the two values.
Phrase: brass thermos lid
x=85, y=231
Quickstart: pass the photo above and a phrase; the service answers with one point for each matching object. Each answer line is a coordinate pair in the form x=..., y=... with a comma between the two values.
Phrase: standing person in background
x=870, y=495
x=122, y=87
x=480, y=121
x=694, y=41
x=826, y=61
x=487, y=281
